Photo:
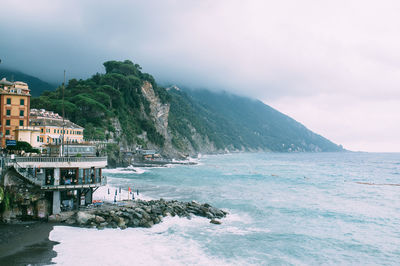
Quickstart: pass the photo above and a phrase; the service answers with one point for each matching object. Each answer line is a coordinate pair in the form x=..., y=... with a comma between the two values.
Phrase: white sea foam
x=285, y=219
x=133, y=246
x=130, y=169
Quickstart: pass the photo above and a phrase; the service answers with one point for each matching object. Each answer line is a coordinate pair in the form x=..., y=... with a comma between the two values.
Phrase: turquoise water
x=304, y=208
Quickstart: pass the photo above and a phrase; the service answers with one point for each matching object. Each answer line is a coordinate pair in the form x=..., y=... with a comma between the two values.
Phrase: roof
x=41, y=121
x=42, y=113
x=3, y=81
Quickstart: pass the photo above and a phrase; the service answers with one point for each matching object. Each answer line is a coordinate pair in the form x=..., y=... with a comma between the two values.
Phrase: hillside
x=240, y=123
x=36, y=85
x=126, y=106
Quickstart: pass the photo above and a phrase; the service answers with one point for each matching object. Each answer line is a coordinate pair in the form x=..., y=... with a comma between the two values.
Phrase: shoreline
x=26, y=243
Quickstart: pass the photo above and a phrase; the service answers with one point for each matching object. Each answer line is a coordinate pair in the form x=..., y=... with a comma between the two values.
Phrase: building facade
x=51, y=129
x=28, y=134
x=14, y=108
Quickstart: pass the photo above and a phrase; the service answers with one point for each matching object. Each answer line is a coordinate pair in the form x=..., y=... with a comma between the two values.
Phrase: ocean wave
x=130, y=169
x=133, y=246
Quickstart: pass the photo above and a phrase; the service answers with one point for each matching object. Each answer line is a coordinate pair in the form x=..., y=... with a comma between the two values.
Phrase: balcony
x=61, y=162
x=76, y=182
x=100, y=181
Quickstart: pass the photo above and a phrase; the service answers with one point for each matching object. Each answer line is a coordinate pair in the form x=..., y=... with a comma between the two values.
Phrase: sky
x=334, y=66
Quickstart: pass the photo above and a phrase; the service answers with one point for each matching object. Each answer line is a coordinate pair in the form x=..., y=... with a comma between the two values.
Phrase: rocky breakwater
x=137, y=213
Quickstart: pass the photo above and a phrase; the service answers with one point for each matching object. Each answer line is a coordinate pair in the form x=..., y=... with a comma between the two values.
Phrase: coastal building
x=68, y=182
x=52, y=130
x=28, y=134
x=14, y=108
x=67, y=171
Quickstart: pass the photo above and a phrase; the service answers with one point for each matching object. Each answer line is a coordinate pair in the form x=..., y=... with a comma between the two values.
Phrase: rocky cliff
x=125, y=108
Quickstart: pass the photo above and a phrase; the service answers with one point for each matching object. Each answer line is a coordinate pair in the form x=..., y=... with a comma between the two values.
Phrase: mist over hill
x=239, y=123
x=36, y=85
x=126, y=107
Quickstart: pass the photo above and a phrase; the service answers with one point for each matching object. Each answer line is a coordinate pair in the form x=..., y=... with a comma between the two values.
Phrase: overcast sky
x=332, y=65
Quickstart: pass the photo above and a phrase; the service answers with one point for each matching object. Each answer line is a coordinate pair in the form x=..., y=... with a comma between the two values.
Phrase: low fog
x=332, y=65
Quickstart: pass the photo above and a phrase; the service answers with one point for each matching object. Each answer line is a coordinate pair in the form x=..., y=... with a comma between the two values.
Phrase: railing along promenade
x=59, y=159
x=41, y=181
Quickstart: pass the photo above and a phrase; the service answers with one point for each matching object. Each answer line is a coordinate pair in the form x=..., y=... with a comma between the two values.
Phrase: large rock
x=99, y=219
x=70, y=221
x=121, y=222
x=82, y=218
x=148, y=224
x=61, y=217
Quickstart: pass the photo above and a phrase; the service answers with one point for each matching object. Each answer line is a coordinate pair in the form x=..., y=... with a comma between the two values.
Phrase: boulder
x=215, y=221
x=70, y=221
x=137, y=215
x=100, y=227
x=54, y=218
x=148, y=224
x=99, y=219
x=83, y=217
x=121, y=222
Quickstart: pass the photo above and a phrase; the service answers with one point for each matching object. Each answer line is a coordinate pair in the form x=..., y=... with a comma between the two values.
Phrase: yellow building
x=28, y=134
x=51, y=128
x=14, y=108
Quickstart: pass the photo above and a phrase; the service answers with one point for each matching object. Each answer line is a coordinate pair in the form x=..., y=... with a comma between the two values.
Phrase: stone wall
x=22, y=201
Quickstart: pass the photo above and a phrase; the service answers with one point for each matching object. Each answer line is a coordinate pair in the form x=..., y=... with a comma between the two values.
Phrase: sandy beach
x=26, y=243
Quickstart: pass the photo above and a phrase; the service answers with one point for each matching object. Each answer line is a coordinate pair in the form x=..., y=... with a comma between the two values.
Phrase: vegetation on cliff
x=112, y=106
x=240, y=123
x=96, y=103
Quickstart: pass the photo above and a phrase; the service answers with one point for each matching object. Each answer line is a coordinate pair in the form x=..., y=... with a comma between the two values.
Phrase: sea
x=284, y=209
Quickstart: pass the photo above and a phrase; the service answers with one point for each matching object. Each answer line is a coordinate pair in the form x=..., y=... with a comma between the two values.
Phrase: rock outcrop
x=21, y=200
x=138, y=214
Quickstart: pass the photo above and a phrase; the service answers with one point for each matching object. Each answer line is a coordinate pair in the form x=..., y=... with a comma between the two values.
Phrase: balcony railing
x=99, y=181
x=59, y=159
x=48, y=183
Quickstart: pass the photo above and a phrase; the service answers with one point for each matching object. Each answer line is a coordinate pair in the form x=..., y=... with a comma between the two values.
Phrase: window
x=8, y=112
x=22, y=102
x=38, y=139
x=41, y=139
x=41, y=130
x=54, y=131
x=21, y=112
x=21, y=123
x=8, y=100
x=7, y=122
x=7, y=132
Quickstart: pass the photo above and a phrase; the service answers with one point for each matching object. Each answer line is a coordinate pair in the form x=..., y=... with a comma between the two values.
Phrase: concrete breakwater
x=137, y=213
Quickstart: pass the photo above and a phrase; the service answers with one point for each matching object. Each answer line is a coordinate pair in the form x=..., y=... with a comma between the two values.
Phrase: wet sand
x=26, y=243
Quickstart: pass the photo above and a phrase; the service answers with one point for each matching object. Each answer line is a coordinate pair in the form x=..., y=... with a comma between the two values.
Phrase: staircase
x=24, y=173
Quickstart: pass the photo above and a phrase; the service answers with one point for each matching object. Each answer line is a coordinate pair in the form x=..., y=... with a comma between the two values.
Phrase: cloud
x=280, y=52
x=370, y=125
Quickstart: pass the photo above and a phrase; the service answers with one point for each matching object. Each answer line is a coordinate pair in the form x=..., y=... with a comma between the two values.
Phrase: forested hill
x=36, y=85
x=126, y=107
x=241, y=123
